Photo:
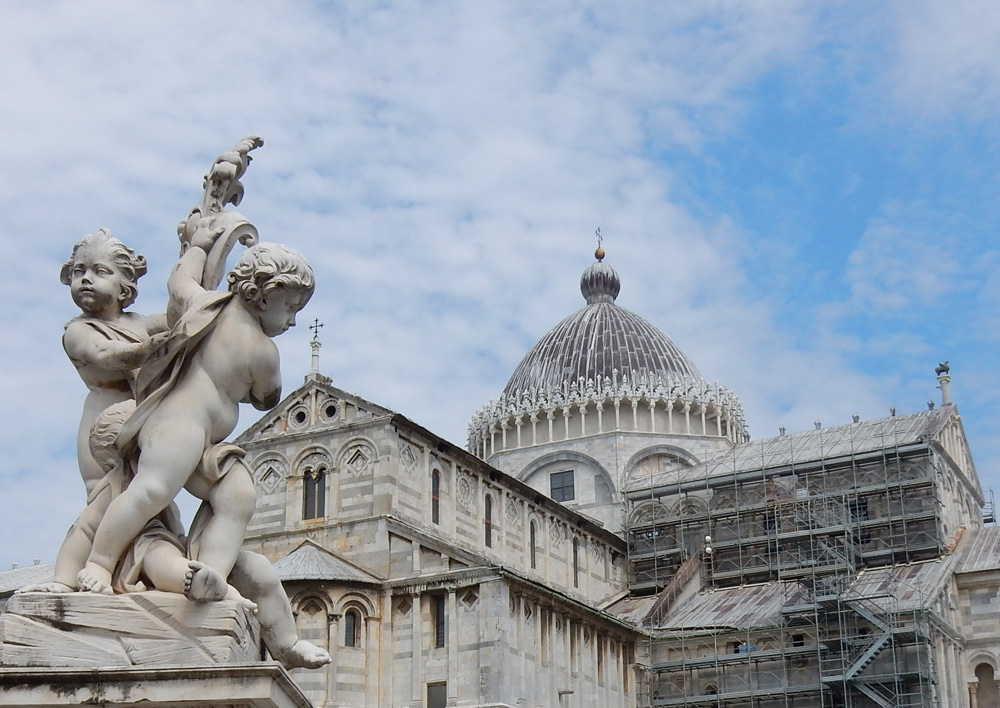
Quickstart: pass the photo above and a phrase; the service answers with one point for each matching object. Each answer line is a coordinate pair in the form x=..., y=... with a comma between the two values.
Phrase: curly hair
x=267, y=267
x=130, y=264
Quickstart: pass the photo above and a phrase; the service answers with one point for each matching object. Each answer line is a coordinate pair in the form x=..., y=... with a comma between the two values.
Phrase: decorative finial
x=599, y=253
x=315, y=344
x=944, y=378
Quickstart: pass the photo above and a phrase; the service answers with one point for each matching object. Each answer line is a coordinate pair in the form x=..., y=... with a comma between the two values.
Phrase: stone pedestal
x=151, y=649
x=261, y=685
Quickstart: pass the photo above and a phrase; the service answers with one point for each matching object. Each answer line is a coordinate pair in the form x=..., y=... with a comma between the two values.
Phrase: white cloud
x=904, y=259
x=442, y=166
x=945, y=58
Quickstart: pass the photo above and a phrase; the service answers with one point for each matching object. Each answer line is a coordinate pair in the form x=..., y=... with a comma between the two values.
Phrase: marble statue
x=105, y=343
x=164, y=394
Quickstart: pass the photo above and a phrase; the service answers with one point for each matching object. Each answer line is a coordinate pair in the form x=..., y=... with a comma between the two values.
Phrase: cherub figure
x=157, y=558
x=105, y=343
x=218, y=355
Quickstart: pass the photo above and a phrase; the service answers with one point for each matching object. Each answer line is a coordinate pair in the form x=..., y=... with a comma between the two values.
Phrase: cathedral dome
x=604, y=358
x=601, y=341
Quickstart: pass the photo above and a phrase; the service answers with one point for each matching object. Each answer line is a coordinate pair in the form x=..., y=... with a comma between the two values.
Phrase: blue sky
x=803, y=196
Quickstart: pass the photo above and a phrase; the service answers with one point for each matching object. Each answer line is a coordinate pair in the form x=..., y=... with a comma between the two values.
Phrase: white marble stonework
x=243, y=686
x=148, y=629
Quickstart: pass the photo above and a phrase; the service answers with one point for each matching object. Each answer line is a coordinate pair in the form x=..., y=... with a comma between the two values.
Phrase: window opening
x=436, y=497
x=488, y=521
x=561, y=486
x=314, y=493
x=437, y=694
x=533, y=541
x=437, y=606
x=576, y=563
x=351, y=629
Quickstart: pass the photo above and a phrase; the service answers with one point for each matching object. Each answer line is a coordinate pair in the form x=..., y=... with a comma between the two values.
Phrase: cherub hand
x=155, y=342
x=206, y=233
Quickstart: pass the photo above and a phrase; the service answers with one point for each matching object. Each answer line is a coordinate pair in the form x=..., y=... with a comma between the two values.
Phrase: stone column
x=522, y=641
x=973, y=690
x=567, y=656
x=451, y=618
x=373, y=669
x=594, y=695
x=385, y=650
x=333, y=642
x=544, y=685
x=416, y=659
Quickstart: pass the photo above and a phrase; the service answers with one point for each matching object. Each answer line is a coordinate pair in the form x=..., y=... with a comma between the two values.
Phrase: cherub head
x=102, y=273
x=275, y=282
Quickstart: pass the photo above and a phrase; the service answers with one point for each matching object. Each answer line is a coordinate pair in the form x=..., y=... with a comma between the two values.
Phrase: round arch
x=980, y=658
x=682, y=456
x=269, y=470
x=302, y=599
x=358, y=454
x=568, y=456
x=311, y=451
x=357, y=601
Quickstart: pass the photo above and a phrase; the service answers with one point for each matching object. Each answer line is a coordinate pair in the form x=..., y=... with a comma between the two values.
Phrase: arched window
x=436, y=497
x=352, y=628
x=488, y=521
x=576, y=563
x=987, y=693
x=314, y=492
x=533, y=541
x=439, y=618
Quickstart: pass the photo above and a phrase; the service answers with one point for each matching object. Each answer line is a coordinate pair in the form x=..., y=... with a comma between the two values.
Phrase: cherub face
x=95, y=282
x=277, y=311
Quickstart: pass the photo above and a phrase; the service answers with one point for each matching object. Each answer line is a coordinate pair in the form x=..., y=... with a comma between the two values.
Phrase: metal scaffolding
x=795, y=571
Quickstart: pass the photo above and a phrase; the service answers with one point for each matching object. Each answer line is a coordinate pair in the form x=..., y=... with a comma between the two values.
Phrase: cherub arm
x=157, y=323
x=86, y=346
x=184, y=283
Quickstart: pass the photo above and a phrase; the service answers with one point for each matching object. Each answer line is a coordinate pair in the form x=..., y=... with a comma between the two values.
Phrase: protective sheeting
x=736, y=607
x=813, y=445
x=901, y=588
x=980, y=550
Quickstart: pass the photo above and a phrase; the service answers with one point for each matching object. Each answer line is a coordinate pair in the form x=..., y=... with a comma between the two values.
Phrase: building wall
x=978, y=610
x=433, y=548
x=604, y=465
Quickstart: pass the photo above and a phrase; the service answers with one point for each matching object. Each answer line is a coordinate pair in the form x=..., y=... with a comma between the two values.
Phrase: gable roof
x=16, y=578
x=312, y=562
x=269, y=424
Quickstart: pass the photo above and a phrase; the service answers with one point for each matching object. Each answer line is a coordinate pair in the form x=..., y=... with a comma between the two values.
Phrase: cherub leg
x=255, y=577
x=233, y=500
x=165, y=463
x=170, y=571
x=75, y=547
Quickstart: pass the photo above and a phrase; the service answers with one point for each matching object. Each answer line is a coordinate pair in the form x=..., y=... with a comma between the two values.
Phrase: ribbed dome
x=597, y=341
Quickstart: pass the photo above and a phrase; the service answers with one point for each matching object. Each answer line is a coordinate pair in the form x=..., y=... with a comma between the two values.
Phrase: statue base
x=149, y=649
x=260, y=685
x=138, y=629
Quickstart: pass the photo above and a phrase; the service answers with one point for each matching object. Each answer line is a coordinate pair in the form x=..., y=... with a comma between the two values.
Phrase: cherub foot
x=46, y=587
x=234, y=595
x=302, y=655
x=203, y=584
x=94, y=578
